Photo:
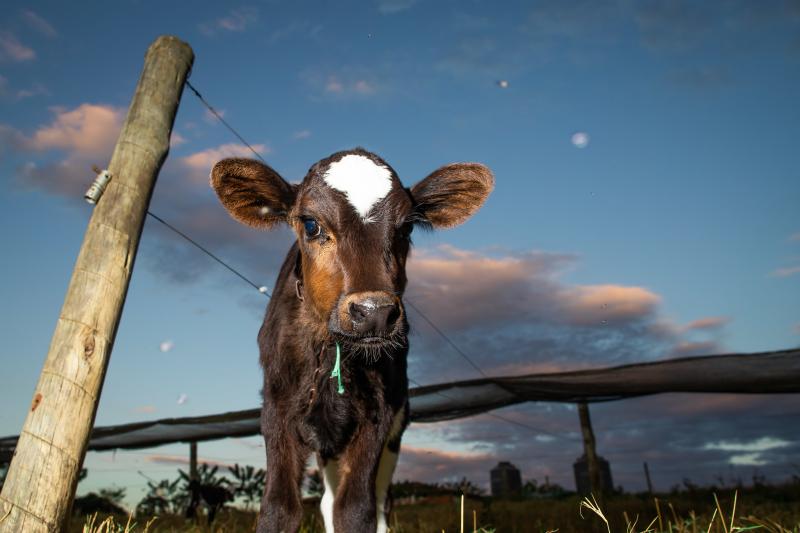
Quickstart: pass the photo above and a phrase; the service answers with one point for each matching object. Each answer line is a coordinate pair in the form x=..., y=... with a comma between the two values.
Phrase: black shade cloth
x=756, y=373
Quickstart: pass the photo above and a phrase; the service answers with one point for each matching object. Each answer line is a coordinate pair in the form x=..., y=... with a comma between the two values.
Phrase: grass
x=677, y=513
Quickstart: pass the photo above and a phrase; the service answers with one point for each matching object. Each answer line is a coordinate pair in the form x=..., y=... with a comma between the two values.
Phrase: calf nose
x=375, y=314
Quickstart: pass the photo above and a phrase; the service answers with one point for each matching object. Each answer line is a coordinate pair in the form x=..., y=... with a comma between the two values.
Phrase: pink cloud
x=467, y=289
x=87, y=130
x=86, y=133
x=601, y=304
x=711, y=322
x=13, y=50
x=176, y=139
x=689, y=348
x=435, y=465
x=181, y=460
x=202, y=162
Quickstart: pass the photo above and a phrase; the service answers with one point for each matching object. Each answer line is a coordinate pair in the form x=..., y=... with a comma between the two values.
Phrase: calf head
x=353, y=220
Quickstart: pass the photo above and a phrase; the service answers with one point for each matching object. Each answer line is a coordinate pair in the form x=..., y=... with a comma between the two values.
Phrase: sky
x=647, y=184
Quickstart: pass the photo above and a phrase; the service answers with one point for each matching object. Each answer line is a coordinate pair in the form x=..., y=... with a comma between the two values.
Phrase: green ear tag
x=337, y=370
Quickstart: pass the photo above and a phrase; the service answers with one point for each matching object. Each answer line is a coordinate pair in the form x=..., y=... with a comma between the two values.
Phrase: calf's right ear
x=253, y=193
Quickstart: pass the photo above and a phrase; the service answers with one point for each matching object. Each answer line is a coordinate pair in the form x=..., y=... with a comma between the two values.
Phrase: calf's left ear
x=452, y=194
x=252, y=192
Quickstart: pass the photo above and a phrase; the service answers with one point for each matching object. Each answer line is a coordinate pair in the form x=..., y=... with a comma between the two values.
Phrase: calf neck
x=334, y=340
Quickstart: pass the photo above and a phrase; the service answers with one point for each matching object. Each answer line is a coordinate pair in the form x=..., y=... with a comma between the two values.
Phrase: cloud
x=88, y=130
x=748, y=459
x=466, y=288
x=785, y=272
x=38, y=23
x=684, y=26
x=237, y=20
x=711, y=322
x=145, y=409
x=435, y=465
x=303, y=30
x=692, y=348
x=301, y=134
x=602, y=304
x=176, y=139
x=759, y=445
x=11, y=138
x=670, y=432
x=335, y=86
x=754, y=450
x=36, y=89
x=706, y=77
x=211, y=118
x=795, y=237
x=13, y=50
x=202, y=162
x=345, y=82
x=390, y=7
x=674, y=25
x=85, y=134
x=181, y=460
x=513, y=313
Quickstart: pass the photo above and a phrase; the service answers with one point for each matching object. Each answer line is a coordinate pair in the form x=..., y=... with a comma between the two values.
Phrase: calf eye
x=311, y=227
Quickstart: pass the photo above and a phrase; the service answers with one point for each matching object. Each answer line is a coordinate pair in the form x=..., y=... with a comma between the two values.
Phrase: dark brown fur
x=322, y=289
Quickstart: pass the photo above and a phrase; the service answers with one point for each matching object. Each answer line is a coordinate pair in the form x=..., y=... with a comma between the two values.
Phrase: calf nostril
x=392, y=316
x=358, y=312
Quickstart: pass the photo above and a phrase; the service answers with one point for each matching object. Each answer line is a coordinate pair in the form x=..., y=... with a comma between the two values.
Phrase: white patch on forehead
x=363, y=181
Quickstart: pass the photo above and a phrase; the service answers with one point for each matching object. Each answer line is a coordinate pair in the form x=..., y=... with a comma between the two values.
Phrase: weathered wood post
x=41, y=482
x=591, y=452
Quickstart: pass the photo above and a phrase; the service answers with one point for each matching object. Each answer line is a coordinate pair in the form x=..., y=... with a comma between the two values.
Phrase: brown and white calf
x=340, y=290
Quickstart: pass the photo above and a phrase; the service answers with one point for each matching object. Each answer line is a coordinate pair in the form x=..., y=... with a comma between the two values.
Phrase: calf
x=334, y=340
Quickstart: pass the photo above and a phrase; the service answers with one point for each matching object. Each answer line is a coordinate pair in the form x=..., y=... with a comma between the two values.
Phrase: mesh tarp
x=757, y=373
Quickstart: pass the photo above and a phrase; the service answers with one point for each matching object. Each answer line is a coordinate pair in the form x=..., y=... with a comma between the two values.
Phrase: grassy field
x=699, y=511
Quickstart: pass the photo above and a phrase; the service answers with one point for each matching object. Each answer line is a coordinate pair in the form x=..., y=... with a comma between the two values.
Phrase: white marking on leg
x=330, y=478
x=382, y=482
x=363, y=181
x=386, y=467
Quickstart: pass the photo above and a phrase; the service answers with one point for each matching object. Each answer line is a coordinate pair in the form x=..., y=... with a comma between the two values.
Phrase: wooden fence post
x=41, y=482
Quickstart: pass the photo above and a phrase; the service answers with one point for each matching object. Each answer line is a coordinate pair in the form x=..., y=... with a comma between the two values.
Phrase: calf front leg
x=282, y=505
x=364, y=471
x=354, y=508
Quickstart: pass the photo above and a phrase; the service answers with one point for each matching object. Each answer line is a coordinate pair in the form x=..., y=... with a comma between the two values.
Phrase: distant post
x=193, y=460
x=647, y=478
x=41, y=482
x=591, y=451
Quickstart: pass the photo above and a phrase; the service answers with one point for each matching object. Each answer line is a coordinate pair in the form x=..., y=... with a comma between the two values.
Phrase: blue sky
x=674, y=231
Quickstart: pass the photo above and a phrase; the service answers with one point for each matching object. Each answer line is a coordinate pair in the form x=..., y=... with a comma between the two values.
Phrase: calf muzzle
x=370, y=314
